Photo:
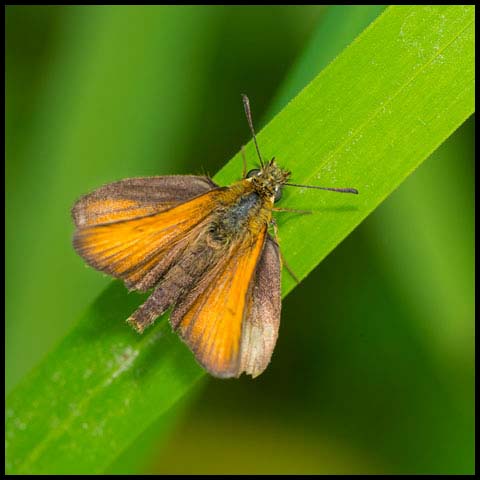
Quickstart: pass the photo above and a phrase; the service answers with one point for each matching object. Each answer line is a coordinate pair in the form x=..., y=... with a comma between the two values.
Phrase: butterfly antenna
x=246, y=106
x=341, y=190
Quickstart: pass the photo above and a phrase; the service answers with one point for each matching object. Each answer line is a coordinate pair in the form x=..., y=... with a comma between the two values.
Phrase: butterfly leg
x=273, y=223
x=301, y=212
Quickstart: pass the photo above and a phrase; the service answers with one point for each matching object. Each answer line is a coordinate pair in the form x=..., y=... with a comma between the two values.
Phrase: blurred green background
x=374, y=367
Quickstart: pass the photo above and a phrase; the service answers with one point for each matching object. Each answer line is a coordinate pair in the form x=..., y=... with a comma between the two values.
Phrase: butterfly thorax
x=247, y=205
x=269, y=180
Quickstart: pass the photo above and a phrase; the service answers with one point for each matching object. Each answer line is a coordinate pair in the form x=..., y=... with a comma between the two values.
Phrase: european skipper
x=205, y=250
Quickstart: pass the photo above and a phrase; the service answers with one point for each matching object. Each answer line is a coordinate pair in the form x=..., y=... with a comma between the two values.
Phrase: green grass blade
x=367, y=121
x=339, y=26
x=96, y=392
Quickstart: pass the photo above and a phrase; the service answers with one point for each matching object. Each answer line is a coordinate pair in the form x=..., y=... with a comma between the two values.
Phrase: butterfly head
x=268, y=180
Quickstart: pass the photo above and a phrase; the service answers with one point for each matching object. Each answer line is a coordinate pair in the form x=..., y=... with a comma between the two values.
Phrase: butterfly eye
x=278, y=195
x=253, y=173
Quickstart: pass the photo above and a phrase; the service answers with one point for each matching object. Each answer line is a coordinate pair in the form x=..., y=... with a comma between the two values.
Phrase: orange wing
x=210, y=321
x=130, y=249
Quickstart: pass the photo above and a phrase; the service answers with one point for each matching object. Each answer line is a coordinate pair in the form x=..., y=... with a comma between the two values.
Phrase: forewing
x=260, y=328
x=209, y=319
x=133, y=249
x=136, y=197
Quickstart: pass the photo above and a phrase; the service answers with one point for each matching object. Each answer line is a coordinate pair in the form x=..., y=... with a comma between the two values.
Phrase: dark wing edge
x=137, y=197
x=262, y=321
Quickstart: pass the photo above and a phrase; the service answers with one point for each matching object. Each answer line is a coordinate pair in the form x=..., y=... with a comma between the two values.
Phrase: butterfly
x=205, y=251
